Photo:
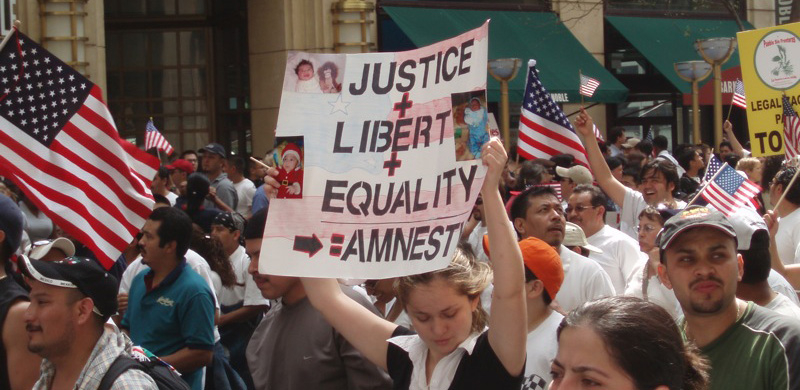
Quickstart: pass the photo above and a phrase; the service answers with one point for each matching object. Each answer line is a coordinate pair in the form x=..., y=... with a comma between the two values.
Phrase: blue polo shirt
x=177, y=313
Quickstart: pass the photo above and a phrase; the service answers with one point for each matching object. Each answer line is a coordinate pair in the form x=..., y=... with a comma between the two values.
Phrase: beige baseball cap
x=574, y=236
x=578, y=173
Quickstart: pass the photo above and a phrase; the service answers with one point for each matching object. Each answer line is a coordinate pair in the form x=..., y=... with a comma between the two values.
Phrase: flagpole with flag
x=580, y=84
x=738, y=98
x=59, y=145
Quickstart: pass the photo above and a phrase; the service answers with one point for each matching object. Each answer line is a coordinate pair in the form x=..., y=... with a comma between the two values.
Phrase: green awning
x=525, y=35
x=666, y=41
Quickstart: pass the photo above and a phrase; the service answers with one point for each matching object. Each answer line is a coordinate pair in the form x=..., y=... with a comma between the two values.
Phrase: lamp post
x=351, y=23
x=504, y=70
x=694, y=72
x=716, y=51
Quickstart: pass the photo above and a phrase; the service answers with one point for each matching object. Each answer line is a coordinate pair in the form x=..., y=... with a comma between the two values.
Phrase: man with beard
x=749, y=347
x=537, y=212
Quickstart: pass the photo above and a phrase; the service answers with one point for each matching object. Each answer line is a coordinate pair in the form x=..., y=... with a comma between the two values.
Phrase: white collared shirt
x=445, y=369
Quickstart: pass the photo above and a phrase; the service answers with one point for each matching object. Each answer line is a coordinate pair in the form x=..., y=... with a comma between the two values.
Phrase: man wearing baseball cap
x=214, y=161
x=749, y=347
x=179, y=172
x=570, y=178
x=543, y=277
x=71, y=300
x=13, y=304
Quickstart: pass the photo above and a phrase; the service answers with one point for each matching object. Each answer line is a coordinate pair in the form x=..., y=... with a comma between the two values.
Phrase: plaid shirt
x=110, y=345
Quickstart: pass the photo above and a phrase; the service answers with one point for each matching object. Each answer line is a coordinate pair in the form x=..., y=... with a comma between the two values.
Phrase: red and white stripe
x=541, y=138
x=93, y=184
x=791, y=135
x=154, y=139
x=588, y=86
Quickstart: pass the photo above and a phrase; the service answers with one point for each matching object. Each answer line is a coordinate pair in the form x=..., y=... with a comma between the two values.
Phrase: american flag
x=791, y=130
x=588, y=86
x=556, y=186
x=738, y=95
x=58, y=143
x=154, y=139
x=729, y=190
x=648, y=135
x=597, y=133
x=713, y=166
x=544, y=130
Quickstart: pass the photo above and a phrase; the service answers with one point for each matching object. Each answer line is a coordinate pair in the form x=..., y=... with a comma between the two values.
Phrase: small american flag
x=648, y=135
x=791, y=130
x=556, y=186
x=154, y=139
x=597, y=133
x=544, y=130
x=729, y=190
x=713, y=166
x=738, y=95
x=588, y=86
x=58, y=143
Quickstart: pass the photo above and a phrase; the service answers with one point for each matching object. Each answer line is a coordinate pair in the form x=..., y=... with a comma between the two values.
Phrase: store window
x=678, y=6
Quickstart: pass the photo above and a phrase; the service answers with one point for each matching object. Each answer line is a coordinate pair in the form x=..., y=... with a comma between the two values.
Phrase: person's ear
x=519, y=225
x=740, y=265
x=663, y=277
x=534, y=289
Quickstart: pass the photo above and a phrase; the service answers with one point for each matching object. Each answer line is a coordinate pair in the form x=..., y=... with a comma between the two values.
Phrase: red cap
x=292, y=148
x=541, y=259
x=181, y=164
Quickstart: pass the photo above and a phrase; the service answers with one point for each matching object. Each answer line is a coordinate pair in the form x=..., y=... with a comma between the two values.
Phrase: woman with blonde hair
x=451, y=348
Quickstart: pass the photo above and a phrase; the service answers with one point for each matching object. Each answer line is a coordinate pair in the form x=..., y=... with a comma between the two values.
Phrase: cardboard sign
x=370, y=183
x=770, y=59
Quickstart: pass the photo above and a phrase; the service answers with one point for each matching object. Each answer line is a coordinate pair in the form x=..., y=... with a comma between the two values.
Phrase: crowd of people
x=614, y=275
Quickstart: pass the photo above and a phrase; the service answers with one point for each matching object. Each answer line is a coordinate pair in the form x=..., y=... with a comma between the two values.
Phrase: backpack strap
x=121, y=364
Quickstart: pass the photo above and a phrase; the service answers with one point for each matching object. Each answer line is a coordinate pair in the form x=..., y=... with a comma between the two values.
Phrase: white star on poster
x=339, y=105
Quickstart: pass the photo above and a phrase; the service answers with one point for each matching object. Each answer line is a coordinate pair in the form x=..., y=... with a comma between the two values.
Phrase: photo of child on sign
x=314, y=73
x=470, y=123
x=290, y=171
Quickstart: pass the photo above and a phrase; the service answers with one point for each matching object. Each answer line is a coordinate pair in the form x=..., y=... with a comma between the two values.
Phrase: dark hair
x=161, y=199
x=666, y=167
x=530, y=276
x=757, y=261
x=237, y=162
x=732, y=159
x=197, y=188
x=685, y=157
x=303, y=62
x=772, y=165
x=563, y=160
x=614, y=162
x=632, y=171
x=530, y=173
x=646, y=147
x=783, y=178
x=603, y=147
x=175, y=226
x=255, y=225
x=635, y=159
x=190, y=151
x=725, y=143
x=599, y=198
x=660, y=142
x=521, y=203
x=211, y=250
x=163, y=172
x=614, y=133
x=644, y=342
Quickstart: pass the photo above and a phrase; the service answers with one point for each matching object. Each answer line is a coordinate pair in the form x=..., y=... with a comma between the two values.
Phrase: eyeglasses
x=647, y=228
x=578, y=209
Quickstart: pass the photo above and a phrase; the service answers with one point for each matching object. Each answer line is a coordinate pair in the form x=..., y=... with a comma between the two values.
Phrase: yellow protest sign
x=770, y=60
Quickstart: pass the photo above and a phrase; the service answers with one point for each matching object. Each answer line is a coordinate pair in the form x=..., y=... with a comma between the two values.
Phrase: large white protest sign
x=370, y=183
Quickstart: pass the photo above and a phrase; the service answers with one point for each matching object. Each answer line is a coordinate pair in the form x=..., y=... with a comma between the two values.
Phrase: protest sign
x=371, y=186
x=770, y=59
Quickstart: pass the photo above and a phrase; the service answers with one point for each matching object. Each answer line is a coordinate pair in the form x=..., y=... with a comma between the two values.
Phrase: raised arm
x=362, y=328
x=735, y=144
x=611, y=186
x=507, y=321
x=790, y=272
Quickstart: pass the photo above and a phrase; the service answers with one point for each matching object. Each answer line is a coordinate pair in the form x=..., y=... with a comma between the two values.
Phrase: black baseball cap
x=216, y=149
x=77, y=272
x=692, y=217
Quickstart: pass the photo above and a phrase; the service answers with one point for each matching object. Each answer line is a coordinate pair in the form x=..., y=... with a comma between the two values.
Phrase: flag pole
x=706, y=185
x=730, y=108
x=7, y=38
x=786, y=189
x=580, y=76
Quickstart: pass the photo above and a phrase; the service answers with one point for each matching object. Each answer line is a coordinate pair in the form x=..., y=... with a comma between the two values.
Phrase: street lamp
x=504, y=70
x=716, y=51
x=694, y=72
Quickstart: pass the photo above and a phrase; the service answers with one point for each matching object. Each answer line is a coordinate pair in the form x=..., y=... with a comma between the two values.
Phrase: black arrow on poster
x=310, y=245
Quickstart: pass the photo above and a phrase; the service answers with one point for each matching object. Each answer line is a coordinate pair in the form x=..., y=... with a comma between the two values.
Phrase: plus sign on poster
x=379, y=160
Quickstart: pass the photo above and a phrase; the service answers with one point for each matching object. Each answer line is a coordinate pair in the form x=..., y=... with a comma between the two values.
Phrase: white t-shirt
x=665, y=155
x=541, y=347
x=632, y=206
x=245, y=190
x=780, y=285
x=171, y=197
x=584, y=281
x=782, y=305
x=656, y=292
x=619, y=257
x=475, y=240
x=788, y=238
x=246, y=290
